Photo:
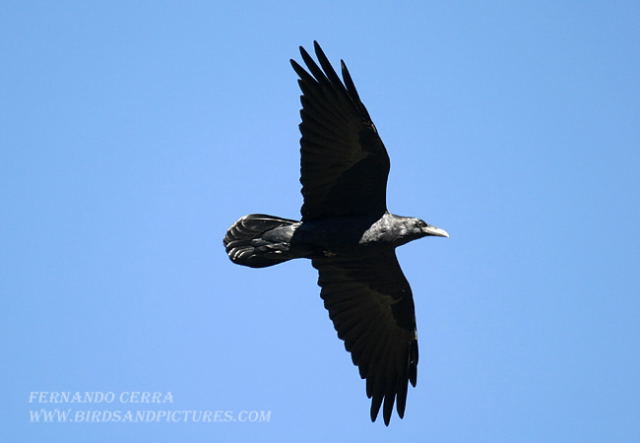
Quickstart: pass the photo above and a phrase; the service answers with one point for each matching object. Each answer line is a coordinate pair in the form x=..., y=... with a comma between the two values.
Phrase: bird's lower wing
x=370, y=303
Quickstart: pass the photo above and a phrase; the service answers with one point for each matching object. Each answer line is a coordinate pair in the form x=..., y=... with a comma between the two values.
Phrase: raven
x=347, y=232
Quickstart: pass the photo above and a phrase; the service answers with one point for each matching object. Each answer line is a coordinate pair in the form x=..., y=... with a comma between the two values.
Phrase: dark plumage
x=347, y=233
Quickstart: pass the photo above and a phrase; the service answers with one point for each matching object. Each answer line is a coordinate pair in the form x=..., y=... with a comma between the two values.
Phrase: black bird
x=347, y=232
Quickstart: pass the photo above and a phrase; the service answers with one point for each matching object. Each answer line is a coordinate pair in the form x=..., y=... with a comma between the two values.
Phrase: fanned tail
x=259, y=240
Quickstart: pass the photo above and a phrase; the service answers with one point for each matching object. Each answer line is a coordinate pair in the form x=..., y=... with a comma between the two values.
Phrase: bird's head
x=406, y=229
x=420, y=228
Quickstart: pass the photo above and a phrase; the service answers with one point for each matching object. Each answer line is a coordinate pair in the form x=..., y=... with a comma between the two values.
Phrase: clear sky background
x=134, y=133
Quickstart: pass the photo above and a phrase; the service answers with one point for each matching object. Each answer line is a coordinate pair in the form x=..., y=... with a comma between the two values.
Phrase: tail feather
x=246, y=245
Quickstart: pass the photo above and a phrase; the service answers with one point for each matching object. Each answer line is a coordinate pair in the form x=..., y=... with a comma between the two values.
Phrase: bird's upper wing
x=370, y=303
x=344, y=164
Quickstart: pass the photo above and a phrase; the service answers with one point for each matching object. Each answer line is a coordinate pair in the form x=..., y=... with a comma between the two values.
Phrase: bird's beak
x=434, y=230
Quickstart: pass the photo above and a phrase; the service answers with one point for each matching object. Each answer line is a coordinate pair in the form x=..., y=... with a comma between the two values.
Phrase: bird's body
x=357, y=234
x=339, y=236
x=347, y=233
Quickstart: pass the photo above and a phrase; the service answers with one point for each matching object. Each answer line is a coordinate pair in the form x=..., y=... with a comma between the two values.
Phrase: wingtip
x=387, y=409
x=376, y=402
x=318, y=50
x=345, y=73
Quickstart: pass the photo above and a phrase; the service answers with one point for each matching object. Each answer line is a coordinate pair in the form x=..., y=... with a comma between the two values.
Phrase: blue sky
x=134, y=133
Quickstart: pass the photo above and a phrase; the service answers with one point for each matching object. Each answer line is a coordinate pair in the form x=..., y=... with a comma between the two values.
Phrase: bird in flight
x=347, y=232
